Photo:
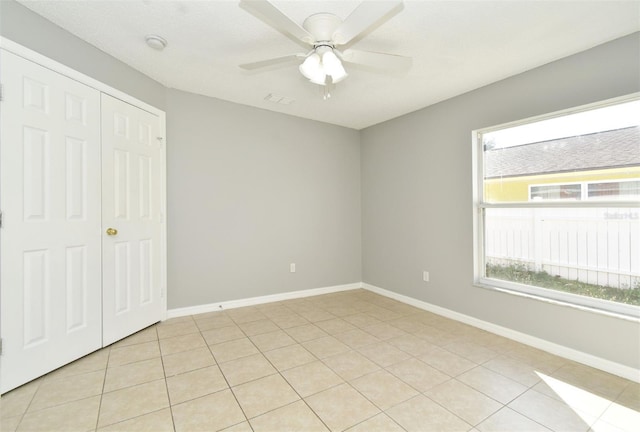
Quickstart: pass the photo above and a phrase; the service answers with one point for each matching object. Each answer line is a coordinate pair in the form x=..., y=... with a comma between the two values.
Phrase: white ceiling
x=457, y=46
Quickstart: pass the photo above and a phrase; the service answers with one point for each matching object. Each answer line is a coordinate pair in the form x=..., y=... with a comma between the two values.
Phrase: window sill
x=485, y=284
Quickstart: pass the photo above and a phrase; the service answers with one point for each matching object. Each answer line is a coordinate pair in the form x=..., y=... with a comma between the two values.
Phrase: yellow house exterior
x=516, y=189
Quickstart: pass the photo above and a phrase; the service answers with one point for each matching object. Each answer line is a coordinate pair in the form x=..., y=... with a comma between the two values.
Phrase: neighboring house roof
x=614, y=148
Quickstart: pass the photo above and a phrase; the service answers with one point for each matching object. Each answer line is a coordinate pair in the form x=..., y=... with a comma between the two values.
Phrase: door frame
x=35, y=57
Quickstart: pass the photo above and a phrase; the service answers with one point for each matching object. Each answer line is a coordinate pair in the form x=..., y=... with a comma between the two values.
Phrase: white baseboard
x=553, y=348
x=545, y=345
x=212, y=307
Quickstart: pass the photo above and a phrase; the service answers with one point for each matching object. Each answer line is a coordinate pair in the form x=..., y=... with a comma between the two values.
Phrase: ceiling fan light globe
x=336, y=78
x=320, y=79
x=311, y=66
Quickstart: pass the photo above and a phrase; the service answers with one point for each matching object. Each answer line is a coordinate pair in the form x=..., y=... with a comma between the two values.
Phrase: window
x=558, y=206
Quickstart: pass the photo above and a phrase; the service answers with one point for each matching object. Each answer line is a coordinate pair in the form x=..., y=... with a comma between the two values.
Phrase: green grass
x=520, y=274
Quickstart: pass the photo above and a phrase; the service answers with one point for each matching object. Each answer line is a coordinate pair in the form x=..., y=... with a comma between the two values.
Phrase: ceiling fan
x=323, y=34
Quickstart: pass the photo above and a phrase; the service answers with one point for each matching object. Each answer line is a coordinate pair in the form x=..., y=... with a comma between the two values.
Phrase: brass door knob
x=112, y=231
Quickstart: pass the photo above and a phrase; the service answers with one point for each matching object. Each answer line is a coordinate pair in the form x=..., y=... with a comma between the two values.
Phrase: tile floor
x=351, y=361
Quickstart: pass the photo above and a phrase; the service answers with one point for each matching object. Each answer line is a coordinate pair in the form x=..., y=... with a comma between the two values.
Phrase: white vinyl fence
x=595, y=245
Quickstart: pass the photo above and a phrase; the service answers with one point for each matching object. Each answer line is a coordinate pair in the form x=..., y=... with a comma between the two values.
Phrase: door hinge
x=0, y=219
x=0, y=346
x=161, y=141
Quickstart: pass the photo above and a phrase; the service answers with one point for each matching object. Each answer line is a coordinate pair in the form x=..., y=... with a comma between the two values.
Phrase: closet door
x=132, y=219
x=50, y=251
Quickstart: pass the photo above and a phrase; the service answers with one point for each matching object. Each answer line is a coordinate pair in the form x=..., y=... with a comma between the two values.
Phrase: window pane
x=615, y=190
x=556, y=192
x=593, y=252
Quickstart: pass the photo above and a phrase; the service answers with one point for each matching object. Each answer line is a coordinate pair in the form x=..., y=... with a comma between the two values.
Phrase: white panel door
x=50, y=268
x=131, y=219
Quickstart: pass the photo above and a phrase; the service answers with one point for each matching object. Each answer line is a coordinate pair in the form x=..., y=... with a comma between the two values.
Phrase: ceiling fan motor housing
x=322, y=26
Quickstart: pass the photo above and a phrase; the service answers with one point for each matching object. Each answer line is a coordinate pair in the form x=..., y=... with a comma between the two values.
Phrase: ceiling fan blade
x=379, y=61
x=271, y=15
x=365, y=18
x=278, y=61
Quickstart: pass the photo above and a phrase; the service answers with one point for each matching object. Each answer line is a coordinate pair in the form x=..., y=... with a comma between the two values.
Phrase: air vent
x=282, y=100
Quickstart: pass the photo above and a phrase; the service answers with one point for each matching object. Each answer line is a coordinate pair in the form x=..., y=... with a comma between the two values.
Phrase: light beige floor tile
x=272, y=340
x=288, y=321
x=316, y=315
x=16, y=402
x=379, y=423
x=246, y=369
x=80, y=415
x=223, y=334
x=341, y=407
x=232, y=350
x=293, y=417
x=411, y=344
x=471, y=351
x=209, y=413
x=630, y=396
x=350, y=365
x=158, y=421
x=384, y=331
x=418, y=374
x=622, y=417
x=132, y=402
x=543, y=361
x=56, y=391
x=356, y=338
x=384, y=389
x=258, y=327
x=213, y=322
x=325, y=347
x=194, y=384
x=178, y=344
x=362, y=320
x=90, y=363
x=133, y=374
x=492, y=384
x=240, y=427
x=447, y=362
x=186, y=361
x=9, y=424
x=577, y=398
x=133, y=353
x=305, y=333
x=263, y=395
x=516, y=370
x=272, y=310
x=602, y=426
x=594, y=380
x=550, y=412
x=177, y=329
x=245, y=314
x=289, y=357
x=467, y=403
x=507, y=420
x=422, y=414
x=383, y=354
x=311, y=378
x=335, y=326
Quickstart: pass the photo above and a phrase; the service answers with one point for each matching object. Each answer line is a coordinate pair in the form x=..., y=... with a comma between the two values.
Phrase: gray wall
x=251, y=191
x=22, y=26
x=417, y=198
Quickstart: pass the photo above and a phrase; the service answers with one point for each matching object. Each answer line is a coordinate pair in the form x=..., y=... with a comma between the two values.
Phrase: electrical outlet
x=425, y=276
x=292, y=267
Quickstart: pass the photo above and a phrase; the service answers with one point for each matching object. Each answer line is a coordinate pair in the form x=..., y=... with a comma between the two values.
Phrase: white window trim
x=567, y=299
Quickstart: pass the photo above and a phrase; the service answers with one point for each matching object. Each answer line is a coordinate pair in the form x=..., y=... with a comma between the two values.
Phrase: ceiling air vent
x=282, y=100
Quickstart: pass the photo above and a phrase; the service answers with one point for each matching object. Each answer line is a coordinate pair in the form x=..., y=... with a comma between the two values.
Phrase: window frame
x=479, y=207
